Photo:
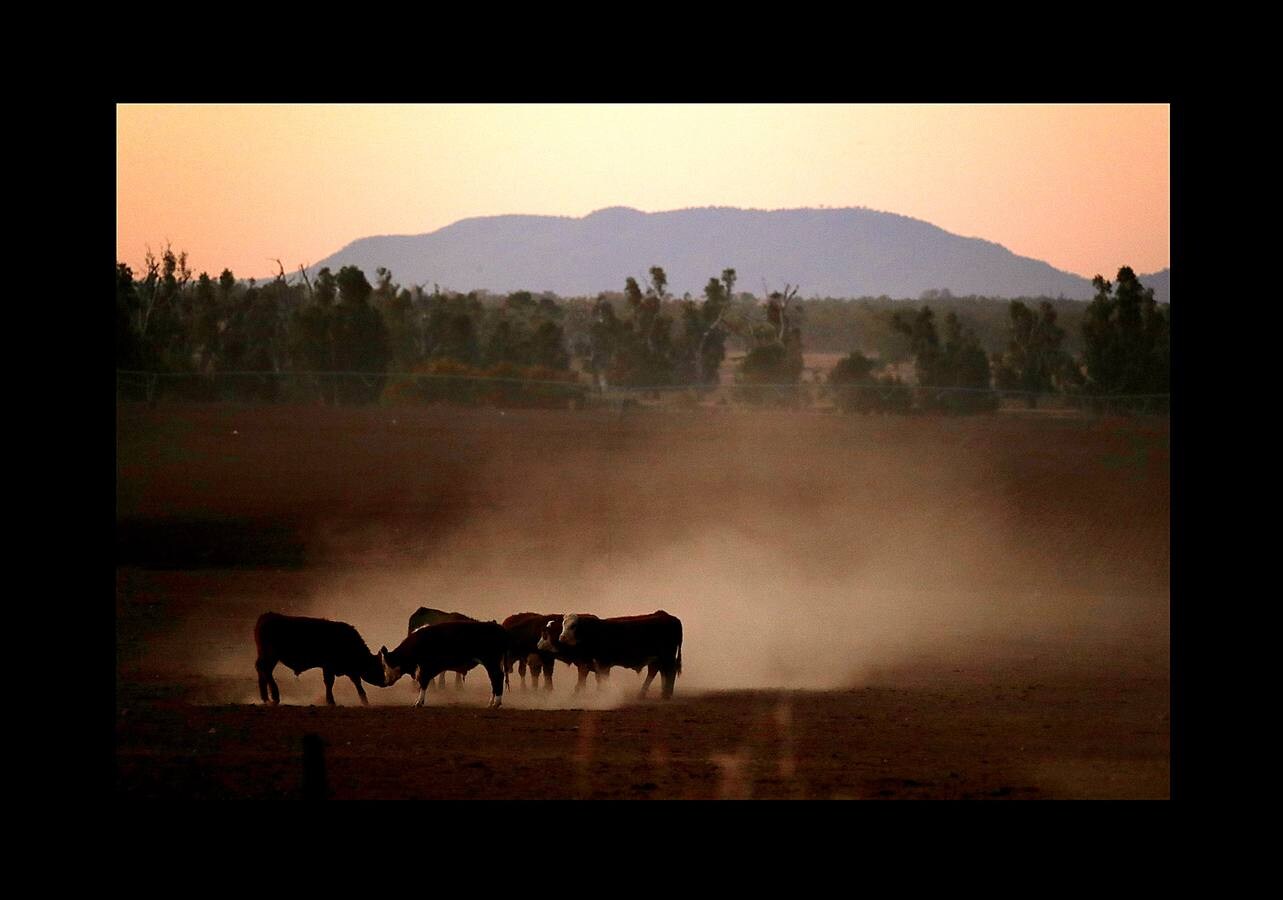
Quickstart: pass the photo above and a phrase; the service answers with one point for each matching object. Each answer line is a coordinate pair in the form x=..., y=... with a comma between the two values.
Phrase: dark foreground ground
x=1022, y=730
x=1034, y=554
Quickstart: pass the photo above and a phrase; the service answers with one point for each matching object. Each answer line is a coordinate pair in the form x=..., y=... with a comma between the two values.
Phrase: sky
x=1083, y=187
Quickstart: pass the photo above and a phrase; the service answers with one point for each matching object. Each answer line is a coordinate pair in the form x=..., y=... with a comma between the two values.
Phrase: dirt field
x=874, y=607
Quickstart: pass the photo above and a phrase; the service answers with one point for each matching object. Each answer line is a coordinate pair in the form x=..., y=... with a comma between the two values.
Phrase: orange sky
x=1083, y=187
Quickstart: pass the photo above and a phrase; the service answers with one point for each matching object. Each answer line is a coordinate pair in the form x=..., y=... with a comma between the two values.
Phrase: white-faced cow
x=425, y=616
x=336, y=648
x=550, y=642
x=449, y=646
x=652, y=642
x=524, y=631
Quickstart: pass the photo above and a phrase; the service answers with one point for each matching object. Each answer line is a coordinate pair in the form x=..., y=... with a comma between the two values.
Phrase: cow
x=548, y=642
x=425, y=616
x=336, y=648
x=653, y=642
x=524, y=631
x=456, y=646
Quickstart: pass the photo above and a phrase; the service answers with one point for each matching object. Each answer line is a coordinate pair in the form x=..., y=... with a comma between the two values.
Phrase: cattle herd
x=440, y=642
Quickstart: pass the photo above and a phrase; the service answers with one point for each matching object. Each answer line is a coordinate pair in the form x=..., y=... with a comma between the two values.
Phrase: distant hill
x=827, y=252
x=1161, y=282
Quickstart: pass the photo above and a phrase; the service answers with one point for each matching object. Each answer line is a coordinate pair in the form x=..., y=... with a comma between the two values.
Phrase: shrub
x=855, y=389
x=504, y=384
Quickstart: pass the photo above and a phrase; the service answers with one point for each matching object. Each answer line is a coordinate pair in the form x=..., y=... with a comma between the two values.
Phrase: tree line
x=353, y=337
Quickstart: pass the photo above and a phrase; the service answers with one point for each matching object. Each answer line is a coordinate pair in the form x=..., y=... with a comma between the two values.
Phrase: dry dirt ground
x=874, y=607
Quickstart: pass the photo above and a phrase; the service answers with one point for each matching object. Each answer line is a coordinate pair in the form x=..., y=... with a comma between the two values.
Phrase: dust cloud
x=799, y=551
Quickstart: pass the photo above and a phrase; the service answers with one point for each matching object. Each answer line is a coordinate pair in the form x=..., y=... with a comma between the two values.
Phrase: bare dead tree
x=153, y=282
x=302, y=270
x=789, y=295
x=174, y=267
x=777, y=310
x=184, y=273
x=699, y=356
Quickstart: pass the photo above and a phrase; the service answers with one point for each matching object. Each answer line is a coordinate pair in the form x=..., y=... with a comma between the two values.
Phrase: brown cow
x=524, y=632
x=652, y=642
x=336, y=648
x=425, y=616
x=448, y=646
x=549, y=642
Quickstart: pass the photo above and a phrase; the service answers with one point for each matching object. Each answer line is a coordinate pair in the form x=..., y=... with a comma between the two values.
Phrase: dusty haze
x=799, y=550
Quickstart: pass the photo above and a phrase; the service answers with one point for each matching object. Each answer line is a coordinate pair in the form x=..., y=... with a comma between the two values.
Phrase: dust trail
x=798, y=551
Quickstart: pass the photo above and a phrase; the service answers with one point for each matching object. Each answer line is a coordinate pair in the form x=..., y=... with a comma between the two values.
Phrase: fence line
x=622, y=388
x=872, y=396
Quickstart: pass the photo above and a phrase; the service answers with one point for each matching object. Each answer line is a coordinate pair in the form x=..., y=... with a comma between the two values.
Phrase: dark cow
x=425, y=616
x=653, y=642
x=453, y=646
x=524, y=631
x=549, y=643
x=336, y=648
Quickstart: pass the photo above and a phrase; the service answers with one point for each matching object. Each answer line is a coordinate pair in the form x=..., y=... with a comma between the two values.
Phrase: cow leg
x=266, y=681
x=548, y=663
x=650, y=676
x=603, y=675
x=521, y=672
x=329, y=687
x=496, y=685
x=356, y=680
x=670, y=679
x=583, y=677
x=423, y=692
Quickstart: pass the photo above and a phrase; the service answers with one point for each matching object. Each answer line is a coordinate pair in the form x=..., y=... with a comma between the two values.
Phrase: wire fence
x=415, y=388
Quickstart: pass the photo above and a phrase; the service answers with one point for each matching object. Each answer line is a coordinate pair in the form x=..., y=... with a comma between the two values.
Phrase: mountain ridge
x=836, y=252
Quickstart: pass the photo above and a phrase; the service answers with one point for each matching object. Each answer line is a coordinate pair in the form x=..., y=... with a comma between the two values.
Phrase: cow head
x=373, y=672
x=548, y=640
x=568, y=636
x=391, y=667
